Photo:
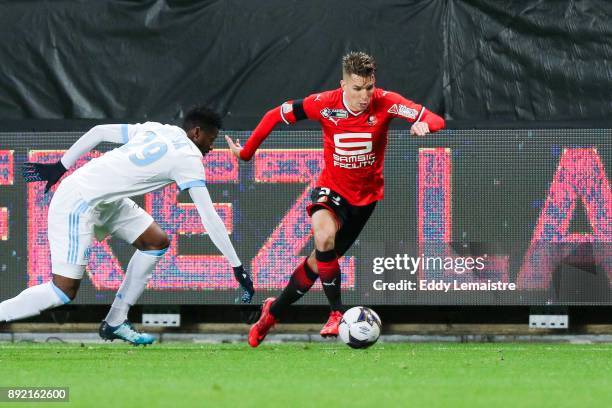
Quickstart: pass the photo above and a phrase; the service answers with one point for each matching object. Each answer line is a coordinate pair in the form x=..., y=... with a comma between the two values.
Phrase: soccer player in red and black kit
x=355, y=120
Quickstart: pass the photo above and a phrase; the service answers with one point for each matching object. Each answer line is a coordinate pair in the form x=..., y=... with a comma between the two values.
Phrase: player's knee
x=325, y=239
x=155, y=242
x=68, y=286
x=162, y=242
x=71, y=293
x=152, y=239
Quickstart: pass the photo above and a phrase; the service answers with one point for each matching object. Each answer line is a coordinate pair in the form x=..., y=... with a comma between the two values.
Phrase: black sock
x=329, y=271
x=300, y=282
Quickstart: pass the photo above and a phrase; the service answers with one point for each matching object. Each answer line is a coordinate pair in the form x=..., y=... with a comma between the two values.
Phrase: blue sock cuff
x=155, y=252
x=60, y=294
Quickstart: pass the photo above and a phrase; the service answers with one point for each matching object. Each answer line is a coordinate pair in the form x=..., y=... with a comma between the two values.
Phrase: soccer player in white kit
x=94, y=202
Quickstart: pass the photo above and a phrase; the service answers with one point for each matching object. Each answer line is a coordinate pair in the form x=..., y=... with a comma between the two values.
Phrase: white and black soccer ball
x=360, y=327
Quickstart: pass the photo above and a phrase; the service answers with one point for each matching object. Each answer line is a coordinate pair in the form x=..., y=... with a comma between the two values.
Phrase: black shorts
x=350, y=218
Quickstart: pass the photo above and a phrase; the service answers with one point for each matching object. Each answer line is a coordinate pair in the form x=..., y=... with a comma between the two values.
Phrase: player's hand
x=50, y=173
x=248, y=314
x=235, y=147
x=247, y=289
x=419, y=129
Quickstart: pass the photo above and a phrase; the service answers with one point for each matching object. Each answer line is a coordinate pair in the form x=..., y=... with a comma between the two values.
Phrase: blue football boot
x=126, y=332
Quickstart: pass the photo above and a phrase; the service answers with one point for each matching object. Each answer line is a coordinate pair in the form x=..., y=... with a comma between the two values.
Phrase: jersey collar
x=347, y=108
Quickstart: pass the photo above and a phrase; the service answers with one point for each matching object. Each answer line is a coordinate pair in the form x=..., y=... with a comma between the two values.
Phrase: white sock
x=32, y=301
x=137, y=275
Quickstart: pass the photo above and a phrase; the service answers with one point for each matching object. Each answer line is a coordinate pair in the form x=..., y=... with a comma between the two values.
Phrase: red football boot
x=331, y=327
x=266, y=321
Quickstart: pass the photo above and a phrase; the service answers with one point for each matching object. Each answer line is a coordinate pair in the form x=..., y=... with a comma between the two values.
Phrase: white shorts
x=72, y=225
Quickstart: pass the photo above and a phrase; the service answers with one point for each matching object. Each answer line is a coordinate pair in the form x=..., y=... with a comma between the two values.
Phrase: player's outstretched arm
x=272, y=118
x=423, y=120
x=51, y=173
x=218, y=234
x=95, y=136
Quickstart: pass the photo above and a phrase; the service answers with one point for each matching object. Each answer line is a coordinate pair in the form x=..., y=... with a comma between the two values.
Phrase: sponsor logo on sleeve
x=402, y=110
x=287, y=107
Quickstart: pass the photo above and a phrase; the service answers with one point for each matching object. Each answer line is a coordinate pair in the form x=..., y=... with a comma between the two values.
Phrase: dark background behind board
x=467, y=60
x=500, y=181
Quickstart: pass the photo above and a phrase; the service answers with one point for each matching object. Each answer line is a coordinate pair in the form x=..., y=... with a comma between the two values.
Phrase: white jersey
x=153, y=156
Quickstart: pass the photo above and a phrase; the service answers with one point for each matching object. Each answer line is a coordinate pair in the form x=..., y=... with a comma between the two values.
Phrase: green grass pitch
x=315, y=375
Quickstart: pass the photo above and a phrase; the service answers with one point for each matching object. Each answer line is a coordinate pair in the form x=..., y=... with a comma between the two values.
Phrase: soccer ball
x=360, y=327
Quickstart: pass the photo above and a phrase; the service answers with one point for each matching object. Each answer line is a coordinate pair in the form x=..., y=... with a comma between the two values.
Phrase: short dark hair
x=358, y=63
x=203, y=117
